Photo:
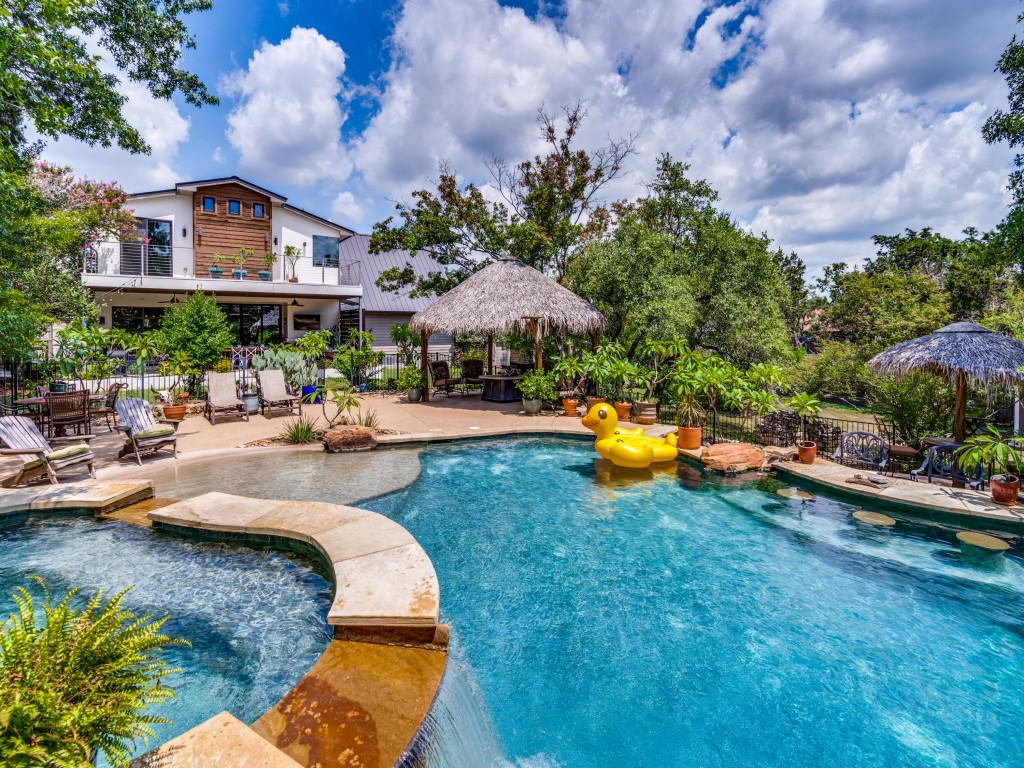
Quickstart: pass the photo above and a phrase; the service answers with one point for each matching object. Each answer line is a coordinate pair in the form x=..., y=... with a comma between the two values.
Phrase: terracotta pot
x=646, y=413
x=570, y=404
x=1005, y=491
x=293, y=279
x=592, y=401
x=622, y=410
x=176, y=412
x=807, y=450
x=689, y=437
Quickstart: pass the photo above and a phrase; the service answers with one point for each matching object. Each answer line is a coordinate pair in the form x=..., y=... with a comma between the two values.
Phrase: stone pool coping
x=95, y=496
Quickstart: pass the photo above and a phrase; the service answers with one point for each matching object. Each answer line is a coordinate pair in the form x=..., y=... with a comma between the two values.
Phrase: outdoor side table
x=501, y=389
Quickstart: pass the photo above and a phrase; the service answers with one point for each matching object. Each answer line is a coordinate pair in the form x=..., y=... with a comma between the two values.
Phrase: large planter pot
x=592, y=401
x=532, y=407
x=215, y=273
x=252, y=402
x=570, y=404
x=622, y=410
x=293, y=279
x=646, y=413
x=239, y=274
x=58, y=386
x=806, y=451
x=264, y=276
x=311, y=394
x=175, y=412
x=1005, y=489
x=415, y=394
x=689, y=438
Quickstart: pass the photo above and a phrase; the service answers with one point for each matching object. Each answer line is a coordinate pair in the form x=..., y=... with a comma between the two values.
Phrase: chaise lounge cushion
x=160, y=430
x=60, y=455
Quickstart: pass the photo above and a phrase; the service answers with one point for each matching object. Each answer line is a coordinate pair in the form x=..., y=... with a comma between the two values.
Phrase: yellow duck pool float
x=627, y=447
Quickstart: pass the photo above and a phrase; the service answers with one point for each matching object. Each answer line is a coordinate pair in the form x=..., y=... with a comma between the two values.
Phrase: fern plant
x=300, y=430
x=79, y=681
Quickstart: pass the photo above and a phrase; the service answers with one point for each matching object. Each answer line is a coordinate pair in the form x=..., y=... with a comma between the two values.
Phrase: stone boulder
x=349, y=439
x=732, y=457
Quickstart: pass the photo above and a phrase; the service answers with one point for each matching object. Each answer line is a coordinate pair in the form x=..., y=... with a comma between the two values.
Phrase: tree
x=49, y=76
x=550, y=210
x=197, y=327
x=20, y=325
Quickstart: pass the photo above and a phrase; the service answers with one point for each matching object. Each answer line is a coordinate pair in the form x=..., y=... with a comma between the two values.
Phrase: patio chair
x=443, y=380
x=862, y=449
x=107, y=409
x=222, y=397
x=274, y=393
x=38, y=456
x=943, y=462
x=68, y=409
x=143, y=431
x=472, y=371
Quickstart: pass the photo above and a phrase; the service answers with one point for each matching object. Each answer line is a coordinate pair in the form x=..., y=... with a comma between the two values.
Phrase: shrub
x=411, y=378
x=918, y=405
x=81, y=680
x=838, y=372
x=221, y=366
x=198, y=328
x=537, y=385
x=301, y=430
x=369, y=419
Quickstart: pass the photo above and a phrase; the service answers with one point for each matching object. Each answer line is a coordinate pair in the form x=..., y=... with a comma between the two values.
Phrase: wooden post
x=593, y=342
x=960, y=413
x=423, y=365
x=490, y=354
x=538, y=359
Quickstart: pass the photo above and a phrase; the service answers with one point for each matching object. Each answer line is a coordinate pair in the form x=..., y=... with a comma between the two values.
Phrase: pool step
x=137, y=513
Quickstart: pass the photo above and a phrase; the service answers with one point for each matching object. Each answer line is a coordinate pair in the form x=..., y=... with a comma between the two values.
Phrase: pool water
x=256, y=619
x=617, y=619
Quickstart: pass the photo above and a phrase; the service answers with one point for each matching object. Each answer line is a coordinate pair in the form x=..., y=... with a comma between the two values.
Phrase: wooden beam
x=490, y=355
x=423, y=365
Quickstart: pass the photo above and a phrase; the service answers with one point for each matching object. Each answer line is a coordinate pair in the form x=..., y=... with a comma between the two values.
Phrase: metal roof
x=375, y=299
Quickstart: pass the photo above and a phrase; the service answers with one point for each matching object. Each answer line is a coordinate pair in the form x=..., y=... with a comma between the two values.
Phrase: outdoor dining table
x=501, y=389
x=40, y=402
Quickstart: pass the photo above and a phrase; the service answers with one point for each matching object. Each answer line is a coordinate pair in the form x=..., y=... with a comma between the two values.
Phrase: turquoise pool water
x=667, y=621
x=256, y=619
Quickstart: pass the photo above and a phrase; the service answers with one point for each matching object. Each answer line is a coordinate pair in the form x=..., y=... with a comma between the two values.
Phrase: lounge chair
x=443, y=379
x=274, y=393
x=143, y=431
x=222, y=397
x=23, y=439
x=944, y=463
x=861, y=449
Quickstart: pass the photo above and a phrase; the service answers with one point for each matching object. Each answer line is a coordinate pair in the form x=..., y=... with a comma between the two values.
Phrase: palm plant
x=79, y=682
x=806, y=406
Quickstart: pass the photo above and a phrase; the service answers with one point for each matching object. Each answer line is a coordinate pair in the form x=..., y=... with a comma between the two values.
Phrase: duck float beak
x=589, y=421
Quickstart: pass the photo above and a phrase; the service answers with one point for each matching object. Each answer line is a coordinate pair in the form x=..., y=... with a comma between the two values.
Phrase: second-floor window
x=325, y=251
x=209, y=205
x=258, y=210
x=234, y=208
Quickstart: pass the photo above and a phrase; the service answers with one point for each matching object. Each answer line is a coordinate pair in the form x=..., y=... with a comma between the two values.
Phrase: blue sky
x=821, y=123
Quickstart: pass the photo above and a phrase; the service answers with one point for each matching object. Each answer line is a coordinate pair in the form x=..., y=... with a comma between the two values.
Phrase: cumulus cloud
x=287, y=122
x=820, y=122
x=350, y=211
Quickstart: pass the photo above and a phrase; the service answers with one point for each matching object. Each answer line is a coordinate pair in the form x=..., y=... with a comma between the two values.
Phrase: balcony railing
x=146, y=259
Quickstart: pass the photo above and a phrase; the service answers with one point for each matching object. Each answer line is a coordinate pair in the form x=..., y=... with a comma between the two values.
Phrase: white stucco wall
x=291, y=228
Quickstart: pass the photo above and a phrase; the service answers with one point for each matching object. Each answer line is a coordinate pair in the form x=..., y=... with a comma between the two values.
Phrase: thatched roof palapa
x=505, y=296
x=983, y=356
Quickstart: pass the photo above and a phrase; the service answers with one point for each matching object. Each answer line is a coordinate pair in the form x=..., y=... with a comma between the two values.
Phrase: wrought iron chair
x=443, y=379
x=861, y=449
x=943, y=462
x=472, y=371
x=107, y=409
x=68, y=409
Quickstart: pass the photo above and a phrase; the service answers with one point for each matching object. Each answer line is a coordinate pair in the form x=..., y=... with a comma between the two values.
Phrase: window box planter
x=216, y=273
x=239, y=274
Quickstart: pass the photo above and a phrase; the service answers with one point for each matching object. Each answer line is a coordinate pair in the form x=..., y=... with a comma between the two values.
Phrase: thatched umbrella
x=961, y=353
x=506, y=296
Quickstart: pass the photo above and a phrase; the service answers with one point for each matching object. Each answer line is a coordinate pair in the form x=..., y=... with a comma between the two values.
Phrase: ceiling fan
x=173, y=300
x=295, y=303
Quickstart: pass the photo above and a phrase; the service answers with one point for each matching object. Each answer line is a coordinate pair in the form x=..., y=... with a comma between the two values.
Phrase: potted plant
x=293, y=253
x=689, y=412
x=992, y=449
x=250, y=397
x=412, y=380
x=243, y=255
x=216, y=271
x=178, y=408
x=537, y=387
x=570, y=372
x=806, y=405
x=269, y=260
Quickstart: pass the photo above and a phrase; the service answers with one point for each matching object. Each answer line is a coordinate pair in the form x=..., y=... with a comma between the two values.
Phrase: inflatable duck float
x=627, y=447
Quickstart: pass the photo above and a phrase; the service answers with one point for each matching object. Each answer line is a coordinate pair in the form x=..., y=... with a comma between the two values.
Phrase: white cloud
x=283, y=9
x=347, y=210
x=287, y=123
x=822, y=123
x=218, y=155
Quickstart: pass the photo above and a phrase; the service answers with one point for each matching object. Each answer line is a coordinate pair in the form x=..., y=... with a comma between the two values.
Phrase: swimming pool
x=609, y=621
x=256, y=619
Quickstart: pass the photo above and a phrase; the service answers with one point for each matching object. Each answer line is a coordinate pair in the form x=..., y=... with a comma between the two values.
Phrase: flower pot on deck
x=806, y=451
x=415, y=394
x=175, y=412
x=252, y=402
x=215, y=273
x=646, y=413
x=264, y=276
x=592, y=401
x=239, y=274
x=622, y=410
x=570, y=404
x=689, y=438
x=1005, y=489
x=532, y=407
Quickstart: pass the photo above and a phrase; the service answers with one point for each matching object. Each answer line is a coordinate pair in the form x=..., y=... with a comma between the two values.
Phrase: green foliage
x=1008, y=125
x=370, y=419
x=198, y=328
x=297, y=369
x=404, y=339
x=805, y=404
x=356, y=355
x=838, y=372
x=221, y=366
x=314, y=344
x=991, y=449
x=301, y=430
x=918, y=405
x=49, y=77
x=538, y=385
x=21, y=323
x=243, y=255
x=78, y=680
x=343, y=399
x=570, y=372
x=292, y=253
x=411, y=378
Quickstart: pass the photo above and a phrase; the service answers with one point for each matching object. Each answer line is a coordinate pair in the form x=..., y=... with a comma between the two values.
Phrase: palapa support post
x=423, y=365
x=960, y=409
x=538, y=358
x=490, y=354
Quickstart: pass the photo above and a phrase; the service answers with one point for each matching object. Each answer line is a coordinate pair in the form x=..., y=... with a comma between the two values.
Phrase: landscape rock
x=732, y=458
x=349, y=439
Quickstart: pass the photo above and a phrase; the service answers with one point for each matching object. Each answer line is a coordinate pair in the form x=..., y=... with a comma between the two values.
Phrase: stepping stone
x=873, y=518
x=983, y=540
x=795, y=493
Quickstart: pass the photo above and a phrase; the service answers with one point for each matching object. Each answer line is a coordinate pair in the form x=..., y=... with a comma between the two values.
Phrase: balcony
x=159, y=268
